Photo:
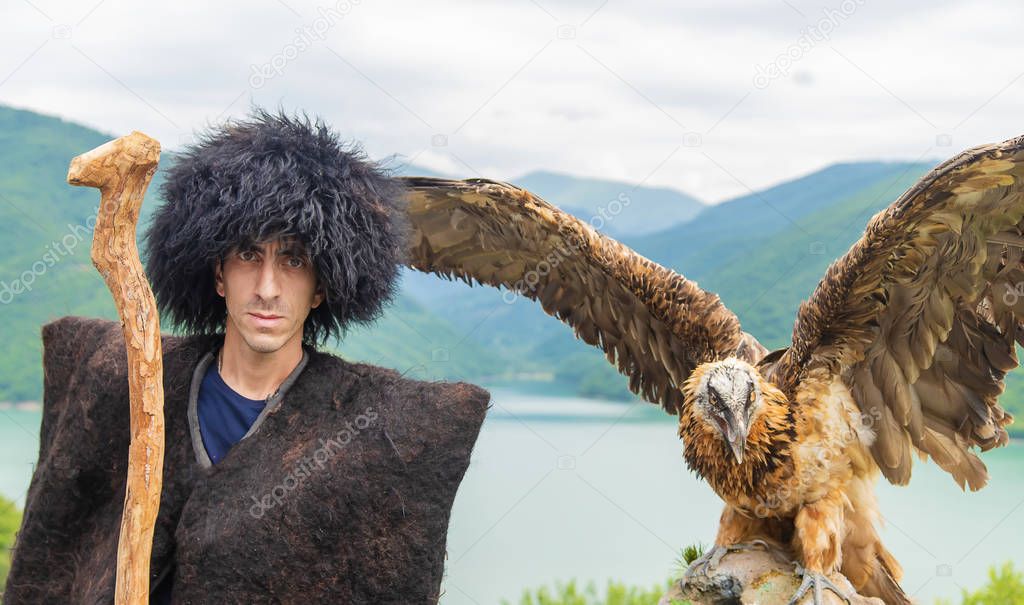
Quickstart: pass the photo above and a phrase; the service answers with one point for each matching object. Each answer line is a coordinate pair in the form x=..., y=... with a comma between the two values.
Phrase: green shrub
x=616, y=593
x=1005, y=587
x=10, y=521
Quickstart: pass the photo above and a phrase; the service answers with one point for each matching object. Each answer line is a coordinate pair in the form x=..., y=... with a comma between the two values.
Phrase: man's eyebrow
x=292, y=250
x=289, y=249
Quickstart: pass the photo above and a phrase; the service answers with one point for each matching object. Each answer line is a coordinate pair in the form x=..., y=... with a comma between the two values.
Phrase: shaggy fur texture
x=366, y=523
x=267, y=177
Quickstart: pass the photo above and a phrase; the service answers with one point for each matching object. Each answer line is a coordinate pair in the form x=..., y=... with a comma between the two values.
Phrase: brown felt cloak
x=340, y=494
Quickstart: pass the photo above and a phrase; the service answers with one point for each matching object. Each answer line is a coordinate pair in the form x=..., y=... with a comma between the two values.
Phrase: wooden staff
x=121, y=170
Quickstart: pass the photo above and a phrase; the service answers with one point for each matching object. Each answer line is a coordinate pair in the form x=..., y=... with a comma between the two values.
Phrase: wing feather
x=653, y=324
x=921, y=316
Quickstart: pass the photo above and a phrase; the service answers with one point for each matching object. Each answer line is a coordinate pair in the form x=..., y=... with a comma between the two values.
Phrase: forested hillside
x=762, y=253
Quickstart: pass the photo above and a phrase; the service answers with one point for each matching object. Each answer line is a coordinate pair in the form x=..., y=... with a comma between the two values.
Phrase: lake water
x=563, y=488
x=608, y=496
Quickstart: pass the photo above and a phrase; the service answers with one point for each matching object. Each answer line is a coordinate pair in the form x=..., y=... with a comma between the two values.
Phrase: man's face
x=269, y=289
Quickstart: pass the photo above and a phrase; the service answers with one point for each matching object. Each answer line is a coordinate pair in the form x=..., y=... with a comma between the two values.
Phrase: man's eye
x=247, y=255
x=296, y=262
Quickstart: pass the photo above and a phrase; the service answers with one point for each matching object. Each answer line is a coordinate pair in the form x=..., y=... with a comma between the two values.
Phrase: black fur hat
x=270, y=176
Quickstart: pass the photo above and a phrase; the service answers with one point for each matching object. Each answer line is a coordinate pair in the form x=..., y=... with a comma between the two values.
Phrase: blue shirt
x=224, y=418
x=224, y=415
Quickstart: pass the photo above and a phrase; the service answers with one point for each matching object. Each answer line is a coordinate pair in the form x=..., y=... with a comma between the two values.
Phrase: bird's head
x=726, y=394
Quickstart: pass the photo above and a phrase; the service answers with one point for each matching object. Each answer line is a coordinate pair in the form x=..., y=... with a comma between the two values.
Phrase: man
x=269, y=290
x=290, y=475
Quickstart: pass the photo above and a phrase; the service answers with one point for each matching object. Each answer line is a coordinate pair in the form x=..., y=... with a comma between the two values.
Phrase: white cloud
x=605, y=90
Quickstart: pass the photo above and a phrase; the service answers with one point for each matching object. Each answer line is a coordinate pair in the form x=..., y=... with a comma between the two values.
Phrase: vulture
x=902, y=348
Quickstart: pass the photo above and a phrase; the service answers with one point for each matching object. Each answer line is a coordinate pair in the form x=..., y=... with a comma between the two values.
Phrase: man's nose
x=268, y=285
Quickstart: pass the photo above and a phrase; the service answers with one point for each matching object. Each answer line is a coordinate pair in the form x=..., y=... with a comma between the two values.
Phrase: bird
x=901, y=349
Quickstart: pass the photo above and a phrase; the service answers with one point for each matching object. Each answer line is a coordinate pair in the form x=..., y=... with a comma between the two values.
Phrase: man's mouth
x=262, y=319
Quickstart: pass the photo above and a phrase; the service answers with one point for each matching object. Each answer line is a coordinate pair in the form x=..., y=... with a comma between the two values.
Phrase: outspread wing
x=921, y=316
x=654, y=325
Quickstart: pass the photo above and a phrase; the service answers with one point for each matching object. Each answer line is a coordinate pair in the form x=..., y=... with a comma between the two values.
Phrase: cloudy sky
x=711, y=97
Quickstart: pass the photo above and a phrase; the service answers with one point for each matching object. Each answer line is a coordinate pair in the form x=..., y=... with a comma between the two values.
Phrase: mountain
x=763, y=253
x=726, y=233
x=616, y=208
x=613, y=207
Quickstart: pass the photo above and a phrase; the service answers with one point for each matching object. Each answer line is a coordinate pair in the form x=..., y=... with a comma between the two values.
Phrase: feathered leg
x=818, y=540
x=866, y=562
x=734, y=527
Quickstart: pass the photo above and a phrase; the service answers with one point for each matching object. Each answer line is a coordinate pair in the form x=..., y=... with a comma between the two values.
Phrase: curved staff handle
x=121, y=170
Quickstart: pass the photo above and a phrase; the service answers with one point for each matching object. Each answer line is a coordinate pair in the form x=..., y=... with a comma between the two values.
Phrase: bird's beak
x=737, y=438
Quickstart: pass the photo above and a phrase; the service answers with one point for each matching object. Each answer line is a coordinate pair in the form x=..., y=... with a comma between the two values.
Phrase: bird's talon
x=700, y=565
x=716, y=557
x=819, y=582
x=711, y=559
